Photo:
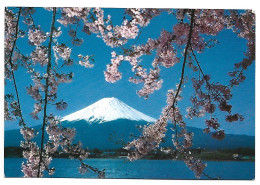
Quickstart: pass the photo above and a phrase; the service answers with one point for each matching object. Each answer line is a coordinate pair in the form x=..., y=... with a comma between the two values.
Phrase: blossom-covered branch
x=12, y=29
x=46, y=89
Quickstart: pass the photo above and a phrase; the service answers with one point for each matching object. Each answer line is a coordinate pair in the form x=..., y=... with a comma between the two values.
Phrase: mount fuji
x=109, y=121
x=108, y=109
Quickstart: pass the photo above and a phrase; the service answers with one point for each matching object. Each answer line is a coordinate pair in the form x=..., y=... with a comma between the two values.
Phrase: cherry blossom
x=40, y=55
x=62, y=51
x=84, y=61
x=127, y=30
x=36, y=36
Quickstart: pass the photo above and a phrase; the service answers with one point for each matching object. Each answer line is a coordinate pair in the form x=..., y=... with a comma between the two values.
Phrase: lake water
x=141, y=169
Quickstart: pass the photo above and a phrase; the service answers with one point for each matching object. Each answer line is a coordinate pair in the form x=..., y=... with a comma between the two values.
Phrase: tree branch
x=12, y=71
x=138, y=36
x=185, y=58
x=46, y=89
x=209, y=177
x=200, y=69
x=95, y=170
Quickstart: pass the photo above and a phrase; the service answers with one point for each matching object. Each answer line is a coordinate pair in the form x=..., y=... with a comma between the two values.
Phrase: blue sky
x=89, y=85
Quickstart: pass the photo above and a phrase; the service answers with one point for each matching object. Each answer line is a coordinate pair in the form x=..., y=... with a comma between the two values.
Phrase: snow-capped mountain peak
x=108, y=109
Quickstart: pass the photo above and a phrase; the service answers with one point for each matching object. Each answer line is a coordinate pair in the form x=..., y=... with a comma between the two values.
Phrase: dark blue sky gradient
x=89, y=85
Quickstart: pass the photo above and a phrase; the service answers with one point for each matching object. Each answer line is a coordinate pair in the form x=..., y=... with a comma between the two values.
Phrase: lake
x=140, y=169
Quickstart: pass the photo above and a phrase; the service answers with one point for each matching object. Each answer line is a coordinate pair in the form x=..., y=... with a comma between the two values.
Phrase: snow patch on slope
x=108, y=109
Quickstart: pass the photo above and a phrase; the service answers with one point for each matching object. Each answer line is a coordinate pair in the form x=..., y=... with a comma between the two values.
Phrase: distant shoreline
x=145, y=159
x=238, y=154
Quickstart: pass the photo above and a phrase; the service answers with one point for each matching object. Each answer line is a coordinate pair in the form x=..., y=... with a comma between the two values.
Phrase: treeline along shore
x=238, y=154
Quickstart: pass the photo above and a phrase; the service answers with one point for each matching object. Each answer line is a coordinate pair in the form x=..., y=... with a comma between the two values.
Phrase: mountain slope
x=99, y=135
x=105, y=136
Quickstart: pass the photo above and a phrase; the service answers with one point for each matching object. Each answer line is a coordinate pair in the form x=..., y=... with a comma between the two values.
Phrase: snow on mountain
x=108, y=109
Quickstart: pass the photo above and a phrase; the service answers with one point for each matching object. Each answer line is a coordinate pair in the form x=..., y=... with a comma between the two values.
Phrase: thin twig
x=200, y=69
x=138, y=36
x=209, y=177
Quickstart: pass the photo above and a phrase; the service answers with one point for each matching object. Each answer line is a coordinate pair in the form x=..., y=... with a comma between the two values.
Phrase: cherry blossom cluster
x=206, y=93
x=152, y=134
x=210, y=21
x=7, y=113
x=103, y=28
x=37, y=109
x=58, y=136
x=11, y=108
x=151, y=81
x=95, y=21
x=142, y=16
x=243, y=24
x=150, y=139
x=166, y=56
x=183, y=139
x=128, y=30
x=39, y=55
x=72, y=15
x=30, y=168
x=118, y=35
x=112, y=73
x=85, y=61
x=11, y=35
x=10, y=31
x=31, y=154
x=57, y=32
x=62, y=138
x=35, y=91
x=196, y=165
x=36, y=36
x=27, y=13
x=38, y=88
x=62, y=51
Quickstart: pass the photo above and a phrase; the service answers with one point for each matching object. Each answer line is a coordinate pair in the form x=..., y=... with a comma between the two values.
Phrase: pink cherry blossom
x=36, y=36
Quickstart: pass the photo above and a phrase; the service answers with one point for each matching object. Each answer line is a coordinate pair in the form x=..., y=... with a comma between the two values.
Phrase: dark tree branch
x=96, y=170
x=240, y=73
x=183, y=69
x=209, y=177
x=185, y=58
x=188, y=45
x=12, y=71
x=46, y=89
